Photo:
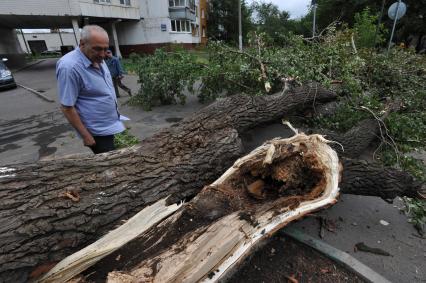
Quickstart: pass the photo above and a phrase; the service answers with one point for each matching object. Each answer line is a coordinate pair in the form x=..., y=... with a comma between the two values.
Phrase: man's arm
x=74, y=119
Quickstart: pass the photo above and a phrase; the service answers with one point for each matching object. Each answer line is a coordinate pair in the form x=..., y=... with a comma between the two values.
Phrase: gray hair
x=86, y=32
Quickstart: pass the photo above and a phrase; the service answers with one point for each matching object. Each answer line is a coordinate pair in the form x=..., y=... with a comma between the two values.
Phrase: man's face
x=96, y=47
x=109, y=54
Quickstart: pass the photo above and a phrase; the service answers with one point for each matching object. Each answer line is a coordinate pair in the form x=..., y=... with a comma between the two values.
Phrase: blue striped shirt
x=90, y=91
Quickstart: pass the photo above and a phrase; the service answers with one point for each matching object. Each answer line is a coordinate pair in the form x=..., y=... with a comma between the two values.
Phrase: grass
x=125, y=139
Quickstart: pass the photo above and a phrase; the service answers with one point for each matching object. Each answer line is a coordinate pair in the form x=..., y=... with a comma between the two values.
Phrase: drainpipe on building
x=25, y=41
x=60, y=37
x=76, y=29
x=115, y=39
x=240, y=27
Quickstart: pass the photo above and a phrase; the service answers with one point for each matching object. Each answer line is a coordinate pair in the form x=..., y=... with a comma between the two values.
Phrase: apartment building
x=163, y=22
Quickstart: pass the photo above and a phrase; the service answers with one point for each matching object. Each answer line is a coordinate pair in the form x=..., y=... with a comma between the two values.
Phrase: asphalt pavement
x=32, y=129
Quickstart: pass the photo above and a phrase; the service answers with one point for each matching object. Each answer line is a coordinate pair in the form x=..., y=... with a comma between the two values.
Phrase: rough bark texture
x=372, y=179
x=51, y=209
x=356, y=140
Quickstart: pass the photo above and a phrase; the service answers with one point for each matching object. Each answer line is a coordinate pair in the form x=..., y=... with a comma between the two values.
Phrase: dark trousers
x=117, y=83
x=103, y=144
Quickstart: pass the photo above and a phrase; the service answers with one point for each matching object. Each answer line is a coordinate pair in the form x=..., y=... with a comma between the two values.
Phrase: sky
x=296, y=8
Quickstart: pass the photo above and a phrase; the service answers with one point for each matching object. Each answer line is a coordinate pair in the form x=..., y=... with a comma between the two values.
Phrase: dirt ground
x=285, y=260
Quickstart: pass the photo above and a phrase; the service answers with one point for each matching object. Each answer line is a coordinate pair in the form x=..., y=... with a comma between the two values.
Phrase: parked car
x=6, y=77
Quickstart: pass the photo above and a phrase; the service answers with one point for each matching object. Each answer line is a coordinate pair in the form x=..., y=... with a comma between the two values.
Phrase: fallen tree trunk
x=262, y=192
x=53, y=208
x=365, y=178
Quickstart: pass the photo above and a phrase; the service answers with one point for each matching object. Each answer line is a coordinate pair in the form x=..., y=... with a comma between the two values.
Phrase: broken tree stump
x=212, y=233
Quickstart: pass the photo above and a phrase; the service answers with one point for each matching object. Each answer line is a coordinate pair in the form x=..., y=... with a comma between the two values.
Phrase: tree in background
x=269, y=19
x=223, y=20
x=412, y=24
x=365, y=28
x=275, y=23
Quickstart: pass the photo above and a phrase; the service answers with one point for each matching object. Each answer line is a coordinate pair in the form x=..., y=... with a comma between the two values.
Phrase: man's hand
x=74, y=119
x=89, y=141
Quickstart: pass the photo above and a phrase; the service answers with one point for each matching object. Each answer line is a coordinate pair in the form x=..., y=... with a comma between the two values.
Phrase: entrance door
x=37, y=46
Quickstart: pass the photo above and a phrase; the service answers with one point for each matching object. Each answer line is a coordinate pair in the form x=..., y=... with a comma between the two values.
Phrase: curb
x=35, y=92
x=28, y=65
x=337, y=255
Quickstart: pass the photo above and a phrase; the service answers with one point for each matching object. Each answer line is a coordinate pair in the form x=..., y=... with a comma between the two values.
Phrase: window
x=177, y=3
x=181, y=25
x=182, y=3
x=125, y=2
x=102, y=1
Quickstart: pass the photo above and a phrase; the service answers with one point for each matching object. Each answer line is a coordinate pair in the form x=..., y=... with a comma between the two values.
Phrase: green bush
x=365, y=27
x=164, y=76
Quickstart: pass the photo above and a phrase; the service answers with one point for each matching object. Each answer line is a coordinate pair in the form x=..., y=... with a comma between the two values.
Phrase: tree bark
x=354, y=142
x=53, y=208
x=372, y=179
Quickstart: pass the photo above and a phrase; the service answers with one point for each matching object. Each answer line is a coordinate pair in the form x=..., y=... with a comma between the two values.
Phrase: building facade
x=133, y=25
x=163, y=22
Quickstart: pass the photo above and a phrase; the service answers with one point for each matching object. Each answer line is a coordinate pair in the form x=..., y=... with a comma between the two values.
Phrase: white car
x=6, y=77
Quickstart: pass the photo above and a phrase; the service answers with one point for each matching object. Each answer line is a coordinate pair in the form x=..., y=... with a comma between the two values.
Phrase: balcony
x=110, y=9
x=181, y=13
x=182, y=9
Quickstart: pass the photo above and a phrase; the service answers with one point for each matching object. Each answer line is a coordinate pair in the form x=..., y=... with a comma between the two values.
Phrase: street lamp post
x=240, y=27
x=314, y=7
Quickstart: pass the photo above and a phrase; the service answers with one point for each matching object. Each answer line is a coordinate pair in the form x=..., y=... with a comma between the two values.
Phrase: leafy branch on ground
x=364, y=78
x=125, y=139
x=415, y=209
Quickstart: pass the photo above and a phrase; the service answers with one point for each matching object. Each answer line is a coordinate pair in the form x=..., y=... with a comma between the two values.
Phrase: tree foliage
x=413, y=23
x=223, y=20
x=269, y=19
x=164, y=76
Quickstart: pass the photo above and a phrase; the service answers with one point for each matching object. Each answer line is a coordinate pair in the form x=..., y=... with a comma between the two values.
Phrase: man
x=86, y=91
x=116, y=71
